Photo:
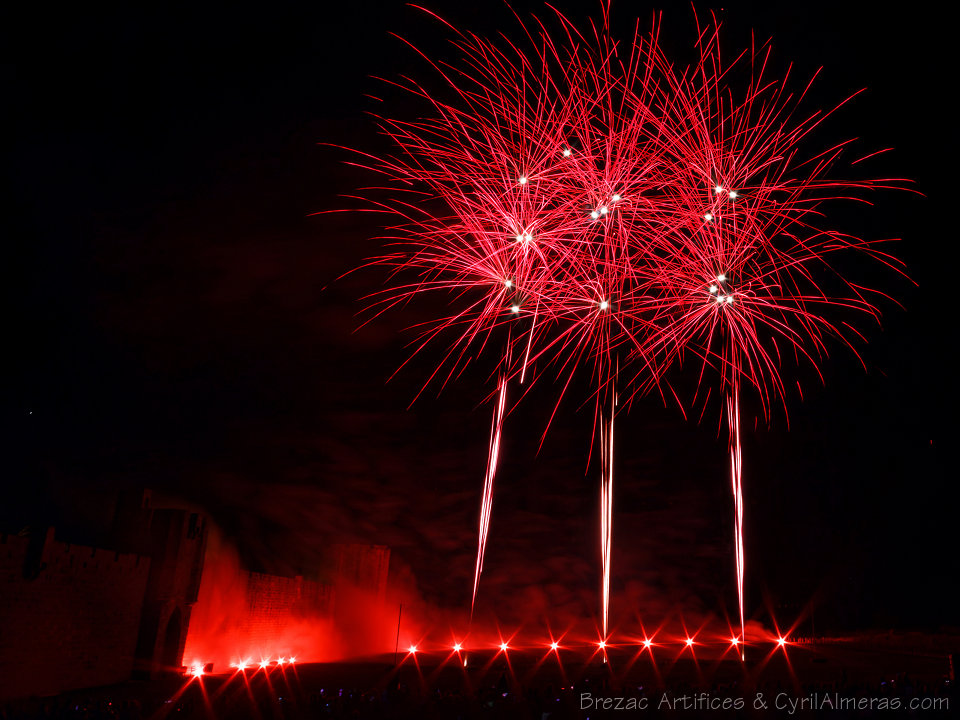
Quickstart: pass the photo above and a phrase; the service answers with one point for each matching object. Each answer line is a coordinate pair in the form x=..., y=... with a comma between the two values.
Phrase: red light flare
x=458, y=654
x=688, y=645
x=183, y=688
x=246, y=679
x=689, y=638
x=503, y=651
x=500, y=652
x=414, y=650
x=283, y=663
x=779, y=642
x=554, y=644
x=737, y=646
x=781, y=637
x=553, y=648
x=644, y=643
x=265, y=665
x=600, y=648
x=241, y=665
x=735, y=642
x=196, y=672
x=414, y=647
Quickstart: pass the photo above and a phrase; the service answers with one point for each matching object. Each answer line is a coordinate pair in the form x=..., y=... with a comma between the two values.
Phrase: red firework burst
x=588, y=207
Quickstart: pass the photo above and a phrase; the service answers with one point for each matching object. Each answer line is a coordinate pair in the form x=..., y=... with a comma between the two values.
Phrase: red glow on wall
x=247, y=620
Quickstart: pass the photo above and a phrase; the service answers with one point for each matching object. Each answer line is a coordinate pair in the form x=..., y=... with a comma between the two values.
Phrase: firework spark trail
x=606, y=512
x=486, y=505
x=733, y=419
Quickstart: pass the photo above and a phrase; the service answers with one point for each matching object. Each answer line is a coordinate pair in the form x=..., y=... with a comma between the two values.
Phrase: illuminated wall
x=69, y=615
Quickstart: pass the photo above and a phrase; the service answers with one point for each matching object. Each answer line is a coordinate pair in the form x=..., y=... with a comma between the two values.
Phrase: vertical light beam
x=486, y=505
x=733, y=420
x=606, y=510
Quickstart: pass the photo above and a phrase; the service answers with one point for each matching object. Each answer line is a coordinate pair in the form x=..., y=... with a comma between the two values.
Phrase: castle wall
x=250, y=616
x=69, y=615
x=363, y=567
x=73, y=617
x=177, y=543
x=274, y=602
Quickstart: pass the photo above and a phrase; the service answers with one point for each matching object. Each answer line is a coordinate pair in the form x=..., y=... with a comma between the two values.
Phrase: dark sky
x=175, y=322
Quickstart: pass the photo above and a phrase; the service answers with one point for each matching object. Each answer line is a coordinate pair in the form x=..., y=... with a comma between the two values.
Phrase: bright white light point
x=508, y=283
x=503, y=647
x=603, y=210
x=781, y=642
x=647, y=643
x=735, y=641
x=264, y=663
x=713, y=288
x=604, y=305
x=689, y=642
x=554, y=645
x=413, y=649
x=721, y=278
x=615, y=198
x=594, y=214
x=520, y=238
x=720, y=298
x=708, y=217
x=718, y=189
x=515, y=308
x=729, y=299
x=456, y=647
x=733, y=195
x=566, y=152
x=523, y=180
x=602, y=644
x=527, y=237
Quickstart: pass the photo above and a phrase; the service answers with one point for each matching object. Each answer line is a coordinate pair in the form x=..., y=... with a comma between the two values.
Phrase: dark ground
x=533, y=684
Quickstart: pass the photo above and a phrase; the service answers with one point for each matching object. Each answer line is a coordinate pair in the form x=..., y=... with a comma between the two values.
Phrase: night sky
x=176, y=322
